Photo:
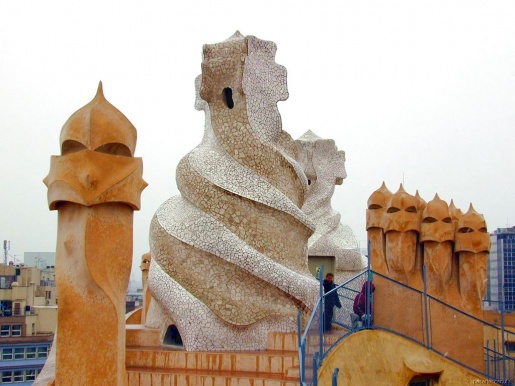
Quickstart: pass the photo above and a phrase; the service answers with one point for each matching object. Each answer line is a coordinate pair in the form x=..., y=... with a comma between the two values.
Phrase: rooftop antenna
x=7, y=246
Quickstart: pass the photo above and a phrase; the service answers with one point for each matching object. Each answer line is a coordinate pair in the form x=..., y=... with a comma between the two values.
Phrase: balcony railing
x=9, y=312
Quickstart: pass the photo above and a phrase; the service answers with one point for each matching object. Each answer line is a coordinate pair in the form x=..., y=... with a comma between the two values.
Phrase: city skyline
x=421, y=94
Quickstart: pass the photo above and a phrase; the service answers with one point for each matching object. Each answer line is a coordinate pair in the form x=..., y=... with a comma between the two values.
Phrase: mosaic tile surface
x=324, y=166
x=229, y=255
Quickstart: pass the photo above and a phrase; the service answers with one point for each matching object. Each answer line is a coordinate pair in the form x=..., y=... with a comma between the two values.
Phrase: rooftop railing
x=428, y=326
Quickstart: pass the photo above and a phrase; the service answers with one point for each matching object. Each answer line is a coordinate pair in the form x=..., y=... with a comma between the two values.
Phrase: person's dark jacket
x=360, y=301
x=332, y=299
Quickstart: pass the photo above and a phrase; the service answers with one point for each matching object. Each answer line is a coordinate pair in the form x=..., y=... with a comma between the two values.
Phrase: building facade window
x=17, y=309
x=18, y=376
x=30, y=375
x=16, y=330
x=7, y=377
x=30, y=352
x=8, y=330
x=42, y=352
x=21, y=353
x=7, y=354
x=501, y=270
x=5, y=331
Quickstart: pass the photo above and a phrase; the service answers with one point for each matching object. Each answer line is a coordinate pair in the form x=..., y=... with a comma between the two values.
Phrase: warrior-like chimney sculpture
x=95, y=185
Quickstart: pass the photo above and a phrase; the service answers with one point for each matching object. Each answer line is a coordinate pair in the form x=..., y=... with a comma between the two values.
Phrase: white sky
x=420, y=91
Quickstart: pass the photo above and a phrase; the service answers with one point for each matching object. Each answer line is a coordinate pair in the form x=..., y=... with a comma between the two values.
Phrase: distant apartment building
x=501, y=271
x=28, y=317
x=133, y=300
x=39, y=260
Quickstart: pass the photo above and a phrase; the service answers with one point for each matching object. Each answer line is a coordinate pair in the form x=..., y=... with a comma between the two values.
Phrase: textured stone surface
x=229, y=256
x=277, y=366
x=379, y=357
x=324, y=166
x=437, y=236
x=472, y=247
x=376, y=209
x=95, y=185
x=401, y=227
x=405, y=233
x=145, y=265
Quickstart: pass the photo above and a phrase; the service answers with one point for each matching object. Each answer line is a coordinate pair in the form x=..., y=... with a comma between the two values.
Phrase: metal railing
x=16, y=312
x=427, y=321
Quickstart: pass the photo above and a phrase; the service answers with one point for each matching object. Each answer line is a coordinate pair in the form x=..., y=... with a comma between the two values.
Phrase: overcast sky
x=415, y=91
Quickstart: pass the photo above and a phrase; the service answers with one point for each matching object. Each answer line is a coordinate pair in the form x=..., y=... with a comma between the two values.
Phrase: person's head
x=329, y=277
x=368, y=284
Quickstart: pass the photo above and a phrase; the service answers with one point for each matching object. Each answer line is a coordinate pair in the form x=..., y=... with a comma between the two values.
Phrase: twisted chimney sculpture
x=324, y=166
x=229, y=255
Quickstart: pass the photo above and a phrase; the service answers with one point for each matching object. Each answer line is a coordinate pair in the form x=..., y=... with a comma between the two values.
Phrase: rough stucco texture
x=373, y=357
x=406, y=233
x=95, y=185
